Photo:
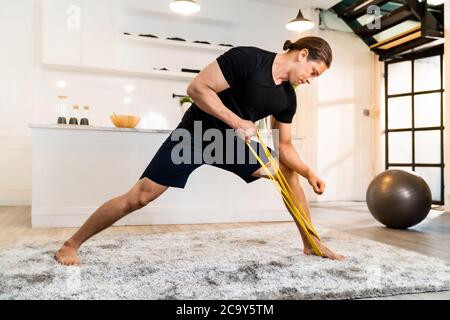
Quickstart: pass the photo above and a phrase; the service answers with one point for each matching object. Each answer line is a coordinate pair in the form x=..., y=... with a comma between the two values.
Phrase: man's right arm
x=204, y=89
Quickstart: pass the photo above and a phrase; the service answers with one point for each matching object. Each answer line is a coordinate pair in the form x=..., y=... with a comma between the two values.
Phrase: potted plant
x=264, y=124
x=185, y=103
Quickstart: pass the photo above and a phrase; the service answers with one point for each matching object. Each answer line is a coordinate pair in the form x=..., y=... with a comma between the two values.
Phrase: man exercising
x=242, y=86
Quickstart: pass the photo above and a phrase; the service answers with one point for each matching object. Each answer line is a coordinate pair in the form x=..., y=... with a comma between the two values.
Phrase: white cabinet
x=61, y=32
x=79, y=32
x=99, y=37
x=84, y=35
x=75, y=170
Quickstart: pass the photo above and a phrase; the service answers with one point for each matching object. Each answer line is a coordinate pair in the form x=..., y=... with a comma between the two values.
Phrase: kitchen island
x=76, y=169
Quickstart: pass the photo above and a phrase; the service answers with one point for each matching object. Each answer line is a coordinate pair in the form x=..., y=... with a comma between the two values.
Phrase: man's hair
x=319, y=49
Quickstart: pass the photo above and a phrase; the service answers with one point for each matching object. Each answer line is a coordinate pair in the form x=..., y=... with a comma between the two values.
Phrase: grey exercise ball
x=399, y=199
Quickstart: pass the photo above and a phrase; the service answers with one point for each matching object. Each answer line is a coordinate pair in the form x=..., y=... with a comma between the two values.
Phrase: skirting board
x=70, y=217
x=15, y=197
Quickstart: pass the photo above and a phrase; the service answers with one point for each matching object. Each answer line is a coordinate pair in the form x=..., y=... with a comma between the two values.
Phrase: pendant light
x=300, y=24
x=185, y=6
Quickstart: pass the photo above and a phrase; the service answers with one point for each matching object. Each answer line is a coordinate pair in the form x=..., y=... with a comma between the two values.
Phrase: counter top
x=92, y=128
x=114, y=129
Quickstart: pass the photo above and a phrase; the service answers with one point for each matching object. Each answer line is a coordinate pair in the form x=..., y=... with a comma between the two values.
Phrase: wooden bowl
x=125, y=121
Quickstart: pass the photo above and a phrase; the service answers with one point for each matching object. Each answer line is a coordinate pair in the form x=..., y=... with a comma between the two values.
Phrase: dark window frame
x=426, y=54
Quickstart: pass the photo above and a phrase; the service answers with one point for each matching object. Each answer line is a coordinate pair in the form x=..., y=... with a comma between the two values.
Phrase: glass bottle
x=62, y=109
x=85, y=119
x=74, y=119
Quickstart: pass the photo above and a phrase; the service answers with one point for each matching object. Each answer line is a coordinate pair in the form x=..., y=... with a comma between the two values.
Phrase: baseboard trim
x=15, y=197
x=164, y=218
x=75, y=216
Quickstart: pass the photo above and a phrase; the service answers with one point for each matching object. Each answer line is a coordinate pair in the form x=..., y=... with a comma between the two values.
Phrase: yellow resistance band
x=288, y=196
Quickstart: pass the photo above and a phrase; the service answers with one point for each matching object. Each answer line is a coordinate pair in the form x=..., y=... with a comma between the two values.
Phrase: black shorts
x=163, y=170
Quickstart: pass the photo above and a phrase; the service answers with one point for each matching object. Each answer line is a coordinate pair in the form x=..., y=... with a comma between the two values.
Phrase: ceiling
x=324, y=4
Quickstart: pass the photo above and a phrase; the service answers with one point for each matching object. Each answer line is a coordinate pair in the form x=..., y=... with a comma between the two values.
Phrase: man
x=242, y=86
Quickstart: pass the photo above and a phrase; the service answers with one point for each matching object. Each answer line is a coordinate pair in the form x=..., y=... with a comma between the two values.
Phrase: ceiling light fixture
x=300, y=23
x=185, y=7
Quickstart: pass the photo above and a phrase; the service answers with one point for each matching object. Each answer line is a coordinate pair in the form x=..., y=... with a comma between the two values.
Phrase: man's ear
x=303, y=54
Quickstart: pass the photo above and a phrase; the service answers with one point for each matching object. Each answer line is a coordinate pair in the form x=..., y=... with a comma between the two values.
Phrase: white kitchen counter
x=76, y=169
x=92, y=128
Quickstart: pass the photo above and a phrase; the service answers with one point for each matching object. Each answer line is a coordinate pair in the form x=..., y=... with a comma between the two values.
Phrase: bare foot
x=327, y=253
x=67, y=255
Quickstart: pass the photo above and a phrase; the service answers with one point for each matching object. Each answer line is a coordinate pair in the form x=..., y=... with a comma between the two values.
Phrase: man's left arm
x=290, y=157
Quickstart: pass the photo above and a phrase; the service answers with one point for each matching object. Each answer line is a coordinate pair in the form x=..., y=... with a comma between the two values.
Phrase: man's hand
x=317, y=184
x=246, y=130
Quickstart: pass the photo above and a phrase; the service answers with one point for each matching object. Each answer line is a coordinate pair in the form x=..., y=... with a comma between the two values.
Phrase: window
x=415, y=118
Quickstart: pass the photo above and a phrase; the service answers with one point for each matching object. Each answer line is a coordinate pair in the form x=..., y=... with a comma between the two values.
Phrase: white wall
x=29, y=93
x=340, y=139
x=344, y=133
x=18, y=69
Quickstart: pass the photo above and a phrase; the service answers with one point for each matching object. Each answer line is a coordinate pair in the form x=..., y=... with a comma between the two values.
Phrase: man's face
x=305, y=70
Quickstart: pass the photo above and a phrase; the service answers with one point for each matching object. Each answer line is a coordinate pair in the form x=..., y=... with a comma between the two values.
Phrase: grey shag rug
x=263, y=262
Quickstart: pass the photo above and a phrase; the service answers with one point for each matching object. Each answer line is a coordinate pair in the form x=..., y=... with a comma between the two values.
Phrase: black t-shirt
x=253, y=94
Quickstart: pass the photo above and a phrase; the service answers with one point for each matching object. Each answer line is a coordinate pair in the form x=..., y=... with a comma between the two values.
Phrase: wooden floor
x=431, y=237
